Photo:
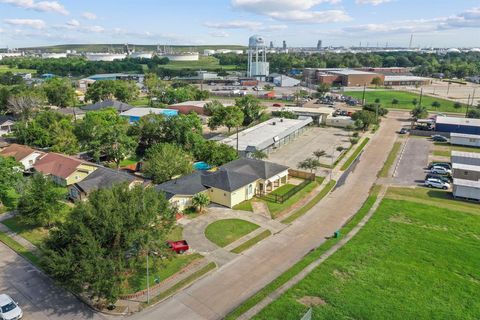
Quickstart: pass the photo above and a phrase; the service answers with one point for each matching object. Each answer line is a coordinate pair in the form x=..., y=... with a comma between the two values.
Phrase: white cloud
x=245, y=24
x=96, y=29
x=43, y=6
x=219, y=34
x=89, y=16
x=32, y=23
x=371, y=2
x=73, y=23
x=296, y=11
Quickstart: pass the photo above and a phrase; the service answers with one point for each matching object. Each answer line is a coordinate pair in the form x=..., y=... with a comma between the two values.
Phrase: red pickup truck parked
x=178, y=246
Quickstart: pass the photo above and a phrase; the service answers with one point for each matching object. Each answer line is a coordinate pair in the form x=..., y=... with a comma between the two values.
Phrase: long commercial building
x=267, y=135
x=466, y=175
x=457, y=125
x=341, y=76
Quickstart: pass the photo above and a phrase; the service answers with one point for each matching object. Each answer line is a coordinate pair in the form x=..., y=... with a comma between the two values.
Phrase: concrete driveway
x=410, y=170
x=36, y=294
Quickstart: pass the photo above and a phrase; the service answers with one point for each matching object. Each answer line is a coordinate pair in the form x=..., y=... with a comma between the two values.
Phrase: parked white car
x=9, y=309
x=440, y=170
x=437, y=183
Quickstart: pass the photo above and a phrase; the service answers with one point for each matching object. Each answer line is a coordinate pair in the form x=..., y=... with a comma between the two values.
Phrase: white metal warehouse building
x=462, y=139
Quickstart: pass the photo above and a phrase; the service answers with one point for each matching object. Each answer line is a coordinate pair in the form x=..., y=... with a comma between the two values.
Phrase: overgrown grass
x=18, y=248
x=179, y=285
x=224, y=232
x=167, y=268
x=442, y=153
x=245, y=206
x=302, y=264
x=411, y=261
x=392, y=156
x=405, y=100
x=300, y=212
x=34, y=234
x=250, y=243
x=355, y=154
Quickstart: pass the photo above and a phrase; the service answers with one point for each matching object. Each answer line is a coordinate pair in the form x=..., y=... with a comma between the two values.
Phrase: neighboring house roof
x=17, y=151
x=103, y=178
x=188, y=185
x=118, y=105
x=4, y=119
x=57, y=165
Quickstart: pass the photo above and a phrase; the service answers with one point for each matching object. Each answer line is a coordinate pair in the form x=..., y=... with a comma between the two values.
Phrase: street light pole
x=148, y=280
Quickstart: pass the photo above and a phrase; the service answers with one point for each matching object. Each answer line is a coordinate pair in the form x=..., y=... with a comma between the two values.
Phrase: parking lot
x=410, y=170
x=315, y=138
x=36, y=294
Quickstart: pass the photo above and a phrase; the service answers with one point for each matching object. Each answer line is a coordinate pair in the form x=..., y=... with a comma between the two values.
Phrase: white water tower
x=258, y=67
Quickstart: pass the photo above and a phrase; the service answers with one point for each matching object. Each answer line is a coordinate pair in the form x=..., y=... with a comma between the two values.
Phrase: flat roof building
x=135, y=114
x=461, y=139
x=267, y=135
x=458, y=125
x=341, y=76
x=190, y=106
x=466, y=175
x=405, y=80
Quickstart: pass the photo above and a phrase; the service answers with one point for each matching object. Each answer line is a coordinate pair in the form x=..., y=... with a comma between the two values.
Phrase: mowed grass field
x=404, y=100
x=204, y=63
x=5, y=68
x=410, y=261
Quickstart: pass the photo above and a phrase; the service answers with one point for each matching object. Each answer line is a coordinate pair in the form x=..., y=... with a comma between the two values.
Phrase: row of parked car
x=439, y=175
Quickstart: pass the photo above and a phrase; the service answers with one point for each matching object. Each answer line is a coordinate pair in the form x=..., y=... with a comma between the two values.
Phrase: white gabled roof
x=458, y=121
x=464, y=135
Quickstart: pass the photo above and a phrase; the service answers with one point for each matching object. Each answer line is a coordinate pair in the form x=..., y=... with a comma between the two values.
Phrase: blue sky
x=439, y=23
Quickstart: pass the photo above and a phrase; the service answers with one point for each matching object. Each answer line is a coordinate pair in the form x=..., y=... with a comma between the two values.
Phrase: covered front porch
x=271, y=184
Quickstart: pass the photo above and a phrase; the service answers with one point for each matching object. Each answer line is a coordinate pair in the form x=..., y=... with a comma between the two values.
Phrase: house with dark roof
x=115, y=104
x=101, y=178
x=64, y=170
x=23, y=154
x=229, y=185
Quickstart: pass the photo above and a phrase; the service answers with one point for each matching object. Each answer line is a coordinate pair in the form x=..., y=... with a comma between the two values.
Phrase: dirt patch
x=310, y=301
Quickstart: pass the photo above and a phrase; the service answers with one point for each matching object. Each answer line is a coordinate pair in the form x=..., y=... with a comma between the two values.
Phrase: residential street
x=219, y=293
x=36, y=294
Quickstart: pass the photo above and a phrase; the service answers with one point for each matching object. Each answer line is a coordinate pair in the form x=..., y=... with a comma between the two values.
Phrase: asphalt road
x=414, y=159
x=220, y=292
x=36, y=294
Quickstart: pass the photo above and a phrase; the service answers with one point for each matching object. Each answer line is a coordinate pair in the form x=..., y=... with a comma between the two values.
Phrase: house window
x=250, y=189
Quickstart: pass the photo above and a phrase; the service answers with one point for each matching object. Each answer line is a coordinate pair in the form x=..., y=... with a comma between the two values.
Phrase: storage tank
x=105, y=56
x=48, y=55
x=208, y=52
x=189, y=56
x=141, y=55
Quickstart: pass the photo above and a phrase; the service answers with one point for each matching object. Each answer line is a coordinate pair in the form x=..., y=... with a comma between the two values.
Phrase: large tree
x=419, y=112
x=10, y=176
x=107, y=239
x=251, y=108
x=59, y=92
x=101, y=90
x=164, y=161
x=229, y=117
x=104, y=134
x=366, y=117
x=40, y=204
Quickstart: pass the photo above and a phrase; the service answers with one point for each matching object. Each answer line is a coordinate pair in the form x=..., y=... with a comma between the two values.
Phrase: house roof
x=188, y=185
x=103, y=178
x=4, y=119
x=57, y=164
x=118, y=105
x=239, y=173
x=458, y=121
x=17, y=151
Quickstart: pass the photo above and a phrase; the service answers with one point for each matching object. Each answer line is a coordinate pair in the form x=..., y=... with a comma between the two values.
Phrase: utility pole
x=148, y=279
x=237, y=143
x=473, y=96
x=363, y=95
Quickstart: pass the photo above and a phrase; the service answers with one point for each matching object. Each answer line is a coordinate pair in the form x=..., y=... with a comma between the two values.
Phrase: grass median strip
x=355, y=154
x=181, y=284
x=392, y=156
x=302, y=264
x=18, y=248
x=300, y=212
x=250, y=243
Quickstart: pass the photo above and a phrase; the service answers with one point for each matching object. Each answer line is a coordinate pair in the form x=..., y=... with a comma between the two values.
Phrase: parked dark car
x=439, y=177
x=403, y=131
x=439, y=138
x=178, y=246
x=446, y=165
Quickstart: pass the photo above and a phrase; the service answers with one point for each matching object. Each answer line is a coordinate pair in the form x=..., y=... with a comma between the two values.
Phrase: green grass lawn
x=355, y=154
x=410, y=261
x=34, y=234
x=167, y=268
x=283, y=190
x=392, y=156
x=5, y=68
x=253, y=241
x=276, y=208
x=224, y=232
x=450, y=147
x=18, y=248
x=129, y=161
x=309, y=258
x=405, y=100
x=245, y=206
